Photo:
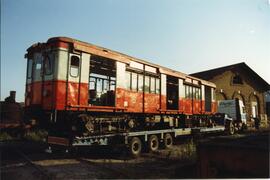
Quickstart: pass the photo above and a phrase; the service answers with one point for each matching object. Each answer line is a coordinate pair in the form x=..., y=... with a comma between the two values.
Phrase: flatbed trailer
x=151, y=139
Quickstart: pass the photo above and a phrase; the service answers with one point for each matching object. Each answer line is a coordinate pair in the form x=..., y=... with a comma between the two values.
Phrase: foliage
x=36, y=135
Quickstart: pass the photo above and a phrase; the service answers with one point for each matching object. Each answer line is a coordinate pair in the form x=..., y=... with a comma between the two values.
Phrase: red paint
x=54, y=94
x=134, y=101
x=196, y=106
x=187, y=106
x=59, y=44
x=163, y=105
x=151, y=103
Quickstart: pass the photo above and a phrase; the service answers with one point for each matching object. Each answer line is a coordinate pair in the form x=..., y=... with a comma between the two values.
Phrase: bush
x=4, y=136
x=36, y=135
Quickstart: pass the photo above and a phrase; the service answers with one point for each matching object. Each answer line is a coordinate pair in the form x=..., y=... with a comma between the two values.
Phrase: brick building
x=240, y=81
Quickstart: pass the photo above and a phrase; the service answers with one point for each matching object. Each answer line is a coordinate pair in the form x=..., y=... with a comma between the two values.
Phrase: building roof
x=210, y=74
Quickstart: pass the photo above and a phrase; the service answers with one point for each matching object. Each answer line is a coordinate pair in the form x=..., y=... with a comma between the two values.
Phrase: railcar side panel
x=151, y=103
x=163, y=99
x=134, y=101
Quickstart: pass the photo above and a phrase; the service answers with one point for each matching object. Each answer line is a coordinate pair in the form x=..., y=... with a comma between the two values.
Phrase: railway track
x=42, y=174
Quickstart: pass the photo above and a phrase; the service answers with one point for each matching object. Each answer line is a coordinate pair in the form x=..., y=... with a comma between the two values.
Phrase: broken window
x=172, y=92
x=102, y=81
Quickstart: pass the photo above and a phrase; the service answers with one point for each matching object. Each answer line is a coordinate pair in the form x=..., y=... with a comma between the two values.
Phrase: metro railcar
x=78, y=87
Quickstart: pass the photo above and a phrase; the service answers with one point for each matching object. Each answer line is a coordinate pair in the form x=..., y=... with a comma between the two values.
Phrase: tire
x=230, y=128
x=135, y=146
x=153, y=143
x=168, y=141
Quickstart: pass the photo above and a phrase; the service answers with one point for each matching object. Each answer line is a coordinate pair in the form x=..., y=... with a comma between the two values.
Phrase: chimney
x=12, y=95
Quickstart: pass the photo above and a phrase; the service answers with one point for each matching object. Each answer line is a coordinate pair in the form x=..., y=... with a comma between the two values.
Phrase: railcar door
x=208, y=99
x=47, y=74
x=172, y=93
x=102, y=81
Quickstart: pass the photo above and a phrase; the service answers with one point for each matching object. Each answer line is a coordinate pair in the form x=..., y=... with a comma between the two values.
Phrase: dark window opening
x=29, y=68
x=74, y=66
x=48, y=64
x=102, y=81
x=237, y=79
x=208, y=98
x=172, y=93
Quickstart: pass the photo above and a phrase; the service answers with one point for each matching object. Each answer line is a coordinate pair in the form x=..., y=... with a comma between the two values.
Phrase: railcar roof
x=90, y=48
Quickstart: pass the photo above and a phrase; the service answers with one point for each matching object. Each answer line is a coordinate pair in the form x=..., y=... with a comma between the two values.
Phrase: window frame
x=30, y=69
x=74, y=66
x=46, y=58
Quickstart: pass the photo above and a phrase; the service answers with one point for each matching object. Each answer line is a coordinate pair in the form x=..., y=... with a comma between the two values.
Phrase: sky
x=184, y=35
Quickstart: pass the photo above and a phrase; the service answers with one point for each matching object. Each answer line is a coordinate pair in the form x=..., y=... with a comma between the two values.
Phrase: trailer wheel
x=153, y=143
x=135, y=146
x=168, y=141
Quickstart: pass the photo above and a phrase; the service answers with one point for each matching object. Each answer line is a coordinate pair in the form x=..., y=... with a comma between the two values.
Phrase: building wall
x=249, y=92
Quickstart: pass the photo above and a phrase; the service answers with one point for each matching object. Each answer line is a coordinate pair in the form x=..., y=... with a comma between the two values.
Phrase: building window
x=237, y=79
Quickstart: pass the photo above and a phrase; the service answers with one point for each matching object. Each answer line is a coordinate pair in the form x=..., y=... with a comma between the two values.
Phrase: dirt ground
x=100, y=163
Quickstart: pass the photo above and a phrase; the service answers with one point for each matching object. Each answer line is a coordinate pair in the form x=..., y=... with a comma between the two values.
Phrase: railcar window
x=38, y=63
x=48, y=64
x=74, y=66
x=196, y=93
x=146, y=84
x=152, y=85
x=157, y=86
x=192, y=92
x=29, y=68
x=140, y=82
x=134, y=81
x=128, y=80
x=101, y=90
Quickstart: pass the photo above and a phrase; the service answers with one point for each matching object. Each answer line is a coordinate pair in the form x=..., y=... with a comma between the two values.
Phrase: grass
x=187, y=151
x=36, y=135
x=4, y=136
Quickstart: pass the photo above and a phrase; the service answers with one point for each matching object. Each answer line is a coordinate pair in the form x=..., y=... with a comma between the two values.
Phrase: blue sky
x=188, y=36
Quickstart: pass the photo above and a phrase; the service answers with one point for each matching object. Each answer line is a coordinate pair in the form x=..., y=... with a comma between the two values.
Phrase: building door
x=254, y=109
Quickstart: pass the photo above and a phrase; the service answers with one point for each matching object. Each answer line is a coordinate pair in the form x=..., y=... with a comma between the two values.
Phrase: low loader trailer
x=151, y=140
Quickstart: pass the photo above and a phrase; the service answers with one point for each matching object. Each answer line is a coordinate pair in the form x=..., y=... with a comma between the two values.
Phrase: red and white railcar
x=70, y=81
